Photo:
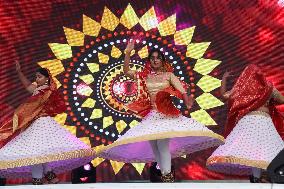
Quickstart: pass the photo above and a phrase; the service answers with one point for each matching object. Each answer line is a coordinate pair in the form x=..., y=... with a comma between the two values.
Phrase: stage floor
x=188, y=185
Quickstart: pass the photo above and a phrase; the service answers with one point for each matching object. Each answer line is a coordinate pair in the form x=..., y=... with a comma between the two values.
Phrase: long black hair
x=45, y=73
x=160, y=54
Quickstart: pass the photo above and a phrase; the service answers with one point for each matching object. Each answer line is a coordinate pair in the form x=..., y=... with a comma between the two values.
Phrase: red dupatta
x=250, y=92
x=48, y=102
x=142, y=105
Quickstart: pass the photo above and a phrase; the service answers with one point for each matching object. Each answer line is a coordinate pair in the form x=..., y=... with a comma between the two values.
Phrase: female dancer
x=162, y=128
x=33, y=143
x=252, y=140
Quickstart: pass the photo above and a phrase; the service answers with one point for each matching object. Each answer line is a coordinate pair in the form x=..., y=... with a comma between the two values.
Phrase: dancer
x=162, y=128
x=252, y=140
x=33, y=143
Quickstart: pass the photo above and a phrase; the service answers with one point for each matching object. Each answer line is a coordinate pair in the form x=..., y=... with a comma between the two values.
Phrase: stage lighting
x=84, y=174
x=155, y=172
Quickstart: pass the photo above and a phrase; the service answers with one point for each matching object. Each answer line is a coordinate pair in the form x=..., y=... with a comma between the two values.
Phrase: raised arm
x=223, y=89
x=126, y=69
x=27, y=84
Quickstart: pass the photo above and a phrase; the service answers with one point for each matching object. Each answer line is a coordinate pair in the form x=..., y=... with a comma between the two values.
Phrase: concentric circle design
x=89, y=69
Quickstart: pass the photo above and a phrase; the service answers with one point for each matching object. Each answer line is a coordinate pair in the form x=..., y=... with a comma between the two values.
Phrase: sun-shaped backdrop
x=95, y=88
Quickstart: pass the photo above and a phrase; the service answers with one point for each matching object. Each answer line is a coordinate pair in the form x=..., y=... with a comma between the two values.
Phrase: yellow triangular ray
x=61, y=51
x=54, y=66
x=88, y=79
x=183, y=37
x=129, y=17
x=97, y=113
x=71, y=129
x=89, y=103
x=168, y=26
x=103, y=58
x=90, y=26
x=58, y=84
x=120, y=126
x=205, y=66
x=93, y=67
x=98, y=148
x=61, y=118
x=116, y=166
x=107, y=121
x=86, y=140
x=86, y=91
x=208, y=83
x=143, y=53
x=133, y=123
x=149, y=20
x=203, y=117
x=115, y=52
x=97, y=161
x=74, y=37
x=109, y=20
x=207, y=101
x=196, y=50
x=139, y=167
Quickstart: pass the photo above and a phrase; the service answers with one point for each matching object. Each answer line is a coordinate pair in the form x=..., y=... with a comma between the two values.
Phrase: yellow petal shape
x=61, y=118
x=208, y=83
x=97, y=161
x=196, y=50
x=74, y=37
x=167, y=26
x=133, y=123
x=116, y=166
x=97, y=113
x=86, y=140
x=89, y=103
x=205, y=66
x=88, y=79
x=183, y=37
x=115, y=52
x=143, y=53
x=107, y=121
x=139, y=167
x=149, y=20
x=203, y=117
x=109, y=20
x=61, y=51
x=103, y=58
x=129, y=17
x=120, y=126
x=90, y=26
x=207, y=101
x=93, y=67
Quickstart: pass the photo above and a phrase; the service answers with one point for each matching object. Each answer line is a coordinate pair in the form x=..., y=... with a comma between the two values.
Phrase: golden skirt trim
x=170, y=134
x=8, y=164
x=236, y=160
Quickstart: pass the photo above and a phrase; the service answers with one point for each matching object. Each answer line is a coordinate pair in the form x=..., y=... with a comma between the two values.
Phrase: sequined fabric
x=155, y=91
x=250, y=92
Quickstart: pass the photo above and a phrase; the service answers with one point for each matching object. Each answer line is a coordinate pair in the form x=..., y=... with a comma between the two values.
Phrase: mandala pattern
x=89, y=70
